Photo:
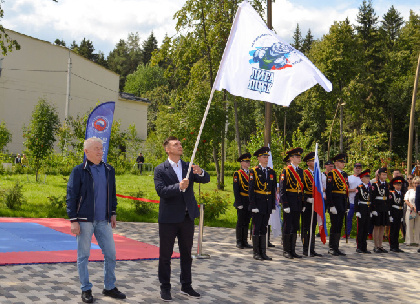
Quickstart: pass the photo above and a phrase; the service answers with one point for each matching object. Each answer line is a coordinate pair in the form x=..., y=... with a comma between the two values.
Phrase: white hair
x=90, y=141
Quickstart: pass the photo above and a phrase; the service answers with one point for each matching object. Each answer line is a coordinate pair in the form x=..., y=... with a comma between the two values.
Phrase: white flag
x=258, y=65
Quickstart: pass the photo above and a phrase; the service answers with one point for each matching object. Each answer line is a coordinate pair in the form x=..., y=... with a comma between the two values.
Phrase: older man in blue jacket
x=177, y=211
x=91, y=207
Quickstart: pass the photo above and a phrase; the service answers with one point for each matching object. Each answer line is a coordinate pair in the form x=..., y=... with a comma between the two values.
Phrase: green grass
x=39, y=206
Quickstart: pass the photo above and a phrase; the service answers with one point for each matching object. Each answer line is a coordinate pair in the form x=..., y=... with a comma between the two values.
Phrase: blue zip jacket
x=81, y=196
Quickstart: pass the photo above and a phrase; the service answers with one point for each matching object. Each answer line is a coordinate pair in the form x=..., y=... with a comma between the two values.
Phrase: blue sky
x=105, y=22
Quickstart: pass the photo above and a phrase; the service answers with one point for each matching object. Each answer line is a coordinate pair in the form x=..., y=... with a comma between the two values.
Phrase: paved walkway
x=230, y=276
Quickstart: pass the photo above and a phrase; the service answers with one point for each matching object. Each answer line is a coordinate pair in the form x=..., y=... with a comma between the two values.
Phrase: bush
x=215, y=204
x=14, y=197
x=142, y=208
x=58, y=206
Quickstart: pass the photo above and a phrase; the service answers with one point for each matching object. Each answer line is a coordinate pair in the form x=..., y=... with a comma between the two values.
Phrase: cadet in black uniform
x=292, y=197
x=380, y=209
x=262, y=195
x=362, y=202
x=337, y=191
x=240, y=190
x=308, y=202
x=397, y=205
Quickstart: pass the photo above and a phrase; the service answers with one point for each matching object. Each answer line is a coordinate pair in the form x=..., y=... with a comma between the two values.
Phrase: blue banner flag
x=99, y=124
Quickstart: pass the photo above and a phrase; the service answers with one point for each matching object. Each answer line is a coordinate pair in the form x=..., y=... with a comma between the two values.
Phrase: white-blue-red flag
x=275, y=218
x=257, y=64
x=318, y=195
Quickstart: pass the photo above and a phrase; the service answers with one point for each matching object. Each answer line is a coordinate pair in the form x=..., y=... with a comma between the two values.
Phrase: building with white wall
x=40, y=69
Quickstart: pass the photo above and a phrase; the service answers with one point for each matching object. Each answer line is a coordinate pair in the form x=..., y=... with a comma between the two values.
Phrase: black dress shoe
x=240, y=246
x=377, y=250
x=393, y=250
x=258, y=256
x=271, y=245
x=190, y=292
x=165, y=295
x=333, y=252
x=287, y=255
x=341, y=253
x=114, y=293
x=418, y=250
x=247, y=246
x=305, y=253
x=87, y=296
x=367, y=251
x=383, y=250
x=295, y=255
x=399, y=250
x=316, y=254
x=359, y=250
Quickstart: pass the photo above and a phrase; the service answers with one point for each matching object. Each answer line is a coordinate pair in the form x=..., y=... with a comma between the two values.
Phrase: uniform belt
x=263, y=192
x=364, y=203
x=294, y=190
x=397, y=207
x=308, y=192
x=340, y=192
x=243, y=193
x=381, y=198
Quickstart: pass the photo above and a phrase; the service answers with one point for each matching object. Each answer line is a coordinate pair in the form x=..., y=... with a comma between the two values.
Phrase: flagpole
x=268, y=105
x=201, y=130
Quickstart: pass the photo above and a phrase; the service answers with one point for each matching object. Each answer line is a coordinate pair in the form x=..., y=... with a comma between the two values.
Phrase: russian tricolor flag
x=318, y=195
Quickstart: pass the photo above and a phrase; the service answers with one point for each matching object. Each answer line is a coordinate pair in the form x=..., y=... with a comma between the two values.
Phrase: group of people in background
x=382, y=208
x=23, y=161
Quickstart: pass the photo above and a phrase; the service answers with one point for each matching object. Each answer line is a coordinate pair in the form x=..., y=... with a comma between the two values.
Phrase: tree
x=148, y=47
x=5, y=136
x=391, y=25
x=125, y=57
x=59, y=42
x=307, y=42
x=297, y=38
x=40, y=134
x=86, y=49
x=6, y=43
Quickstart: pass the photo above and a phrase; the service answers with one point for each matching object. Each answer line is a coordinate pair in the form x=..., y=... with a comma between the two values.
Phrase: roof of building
x=129, y=96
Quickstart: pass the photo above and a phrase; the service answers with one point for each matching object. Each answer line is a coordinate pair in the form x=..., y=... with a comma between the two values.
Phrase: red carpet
x=127, y=249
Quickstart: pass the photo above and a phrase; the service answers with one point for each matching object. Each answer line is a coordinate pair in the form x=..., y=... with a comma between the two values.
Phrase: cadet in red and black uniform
x=362, y=202
x=292, y=196
x=397, y=205
x=337, y=192
x=380, y=209
x=262, y=195
x=240, y=190
x=308, y=202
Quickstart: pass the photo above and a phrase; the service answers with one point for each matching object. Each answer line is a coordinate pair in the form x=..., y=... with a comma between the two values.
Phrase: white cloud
x=105, y=22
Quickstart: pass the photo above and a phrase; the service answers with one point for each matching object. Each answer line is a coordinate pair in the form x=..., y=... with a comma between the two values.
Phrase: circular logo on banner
x=100, y=124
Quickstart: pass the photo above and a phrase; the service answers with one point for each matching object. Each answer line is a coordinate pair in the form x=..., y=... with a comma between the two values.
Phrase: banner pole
x=200, y=254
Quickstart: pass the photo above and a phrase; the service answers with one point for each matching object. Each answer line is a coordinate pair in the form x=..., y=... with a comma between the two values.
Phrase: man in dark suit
x=177, y=211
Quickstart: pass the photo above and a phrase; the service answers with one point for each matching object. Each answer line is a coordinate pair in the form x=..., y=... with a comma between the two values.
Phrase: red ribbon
x=139, y=199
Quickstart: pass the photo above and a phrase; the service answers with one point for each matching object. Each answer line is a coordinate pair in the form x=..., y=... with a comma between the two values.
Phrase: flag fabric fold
x=318, y=195
x=257, y=64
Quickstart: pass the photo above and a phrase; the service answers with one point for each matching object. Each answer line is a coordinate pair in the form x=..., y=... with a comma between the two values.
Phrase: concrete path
x=230, y=275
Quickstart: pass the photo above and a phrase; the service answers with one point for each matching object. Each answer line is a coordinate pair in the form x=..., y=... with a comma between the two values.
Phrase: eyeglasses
x=409, y=178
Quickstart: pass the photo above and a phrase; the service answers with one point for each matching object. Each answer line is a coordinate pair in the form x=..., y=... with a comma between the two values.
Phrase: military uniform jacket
x=262, y=190
x=380, y=197
x=363, y=198
x=308, y=183
x=292, y=188
x=396, y=201
x=337, y=190
x=240, y=188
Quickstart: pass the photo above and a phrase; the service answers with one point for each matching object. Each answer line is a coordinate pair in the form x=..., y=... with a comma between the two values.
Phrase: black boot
x=313, y=253
x=332, y=243
x=293, y=246
x=263, y=248
x=245, y=237
x=286, y=246
x=269, y=232
x=256, y=247
x=338, y=245
x=239, y=232
x=305, y=242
